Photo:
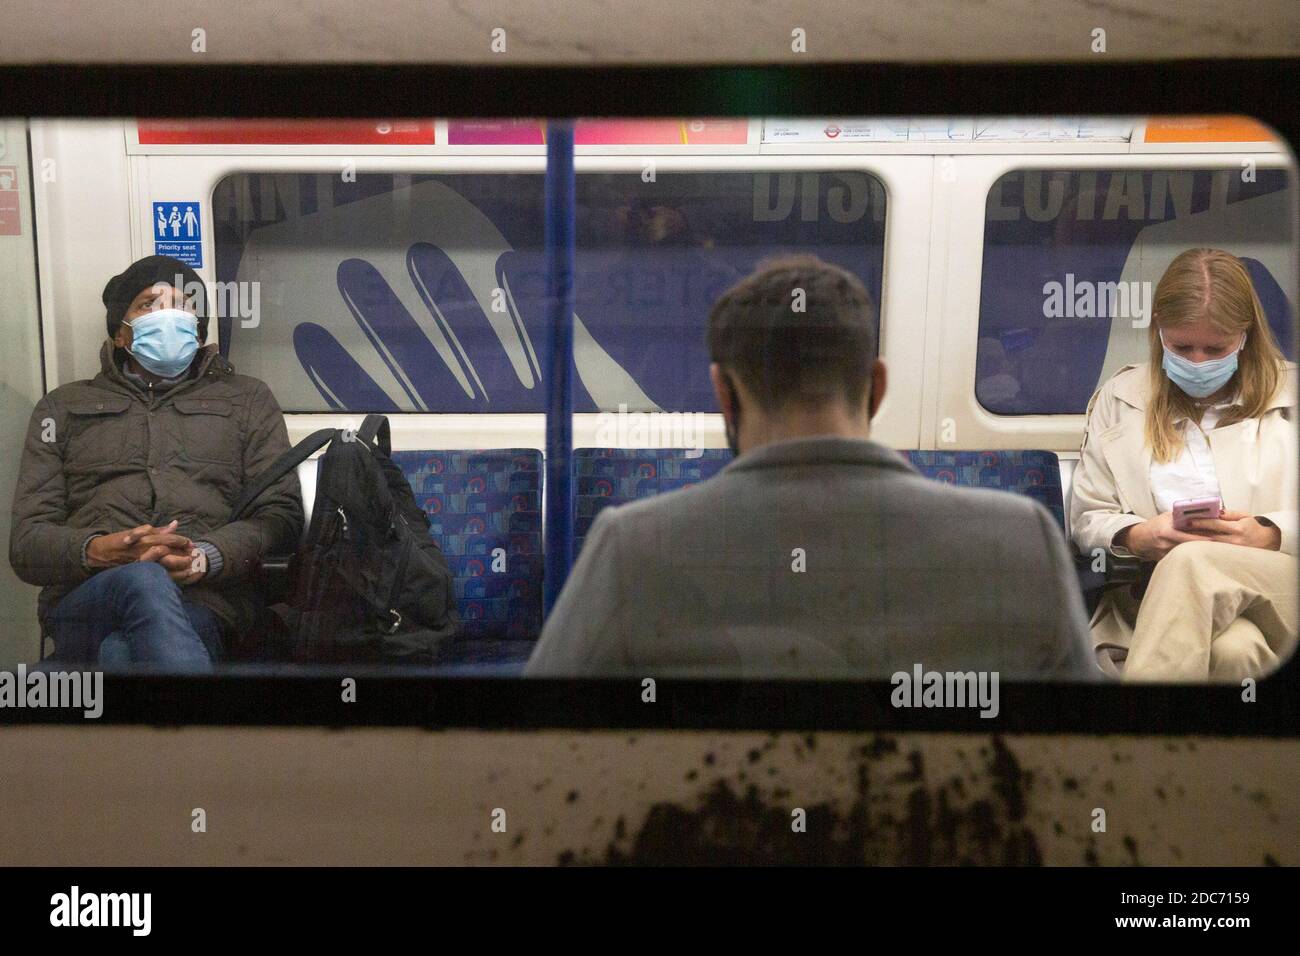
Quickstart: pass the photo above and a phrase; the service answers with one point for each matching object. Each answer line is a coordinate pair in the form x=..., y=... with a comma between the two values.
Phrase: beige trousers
x=1214, y=611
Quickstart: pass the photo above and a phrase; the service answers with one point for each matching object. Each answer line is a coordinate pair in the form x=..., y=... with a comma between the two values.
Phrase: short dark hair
x=787, y=356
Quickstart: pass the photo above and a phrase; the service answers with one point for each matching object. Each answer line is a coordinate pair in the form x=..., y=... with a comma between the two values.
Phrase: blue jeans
x=134, y=614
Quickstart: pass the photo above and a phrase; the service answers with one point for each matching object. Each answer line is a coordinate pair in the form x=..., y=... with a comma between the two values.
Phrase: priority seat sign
x=178, y=231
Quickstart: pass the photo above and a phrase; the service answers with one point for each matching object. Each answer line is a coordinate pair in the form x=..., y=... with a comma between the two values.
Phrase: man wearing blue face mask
x=127, y=480
x=1208, y=426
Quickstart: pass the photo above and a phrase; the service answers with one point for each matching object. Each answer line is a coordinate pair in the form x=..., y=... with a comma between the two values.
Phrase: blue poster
x=178, y=231
x=430, y=295
x=1115, y=231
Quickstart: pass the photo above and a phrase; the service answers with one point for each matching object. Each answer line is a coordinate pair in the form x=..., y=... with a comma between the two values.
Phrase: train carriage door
x=21, y=378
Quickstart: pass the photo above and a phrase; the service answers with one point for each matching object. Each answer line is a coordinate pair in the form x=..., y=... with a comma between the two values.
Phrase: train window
x=742, y=533
x=1071, y=258
x=425, y=293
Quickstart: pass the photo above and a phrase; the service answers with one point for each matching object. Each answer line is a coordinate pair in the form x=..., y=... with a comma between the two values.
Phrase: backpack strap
x=286, y=463
x=376, y=426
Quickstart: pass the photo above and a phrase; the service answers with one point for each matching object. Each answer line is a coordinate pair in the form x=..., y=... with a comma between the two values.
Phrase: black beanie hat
x=140, y=275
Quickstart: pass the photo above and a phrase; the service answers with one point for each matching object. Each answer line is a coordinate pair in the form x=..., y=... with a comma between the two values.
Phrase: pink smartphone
x=1190, y=508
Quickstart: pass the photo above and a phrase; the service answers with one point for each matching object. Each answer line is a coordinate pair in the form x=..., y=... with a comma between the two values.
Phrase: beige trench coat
x=1255, y=460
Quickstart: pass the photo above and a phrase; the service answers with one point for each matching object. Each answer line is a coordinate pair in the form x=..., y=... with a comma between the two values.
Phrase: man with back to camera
x=816, y=552
x=127, y=480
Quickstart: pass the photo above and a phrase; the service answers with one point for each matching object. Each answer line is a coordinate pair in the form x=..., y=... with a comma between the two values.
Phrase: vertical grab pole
x=559, y=244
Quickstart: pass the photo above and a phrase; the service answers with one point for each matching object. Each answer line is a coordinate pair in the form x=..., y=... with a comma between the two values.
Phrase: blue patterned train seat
x=1035, y=474
x=479, y=502
x=613, y=476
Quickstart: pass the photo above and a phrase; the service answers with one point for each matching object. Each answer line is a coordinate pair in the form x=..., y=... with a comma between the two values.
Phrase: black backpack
x=369, y=584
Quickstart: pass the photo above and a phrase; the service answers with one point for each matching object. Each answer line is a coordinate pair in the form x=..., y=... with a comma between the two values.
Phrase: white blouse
x=1191, y=474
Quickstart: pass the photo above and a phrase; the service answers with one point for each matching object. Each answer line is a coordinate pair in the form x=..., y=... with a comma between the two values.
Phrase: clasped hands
x=185, y=563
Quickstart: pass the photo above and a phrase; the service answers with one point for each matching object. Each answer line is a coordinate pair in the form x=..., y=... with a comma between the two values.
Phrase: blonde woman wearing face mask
x=1211, y=415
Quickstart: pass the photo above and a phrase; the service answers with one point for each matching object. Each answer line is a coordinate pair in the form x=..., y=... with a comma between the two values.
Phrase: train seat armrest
x=272, y=581
x=1122, y=569
x=1118, y=572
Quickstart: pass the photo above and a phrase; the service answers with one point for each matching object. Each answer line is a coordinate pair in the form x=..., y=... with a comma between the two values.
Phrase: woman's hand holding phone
x=1237, y=527
x=1152, y=539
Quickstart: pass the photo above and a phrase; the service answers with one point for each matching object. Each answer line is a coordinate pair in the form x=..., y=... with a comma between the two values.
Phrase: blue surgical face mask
x=164, y=342
x=1199, y=379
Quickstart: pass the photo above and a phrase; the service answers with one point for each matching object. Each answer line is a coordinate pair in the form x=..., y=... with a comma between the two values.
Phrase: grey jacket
x=826, y=558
